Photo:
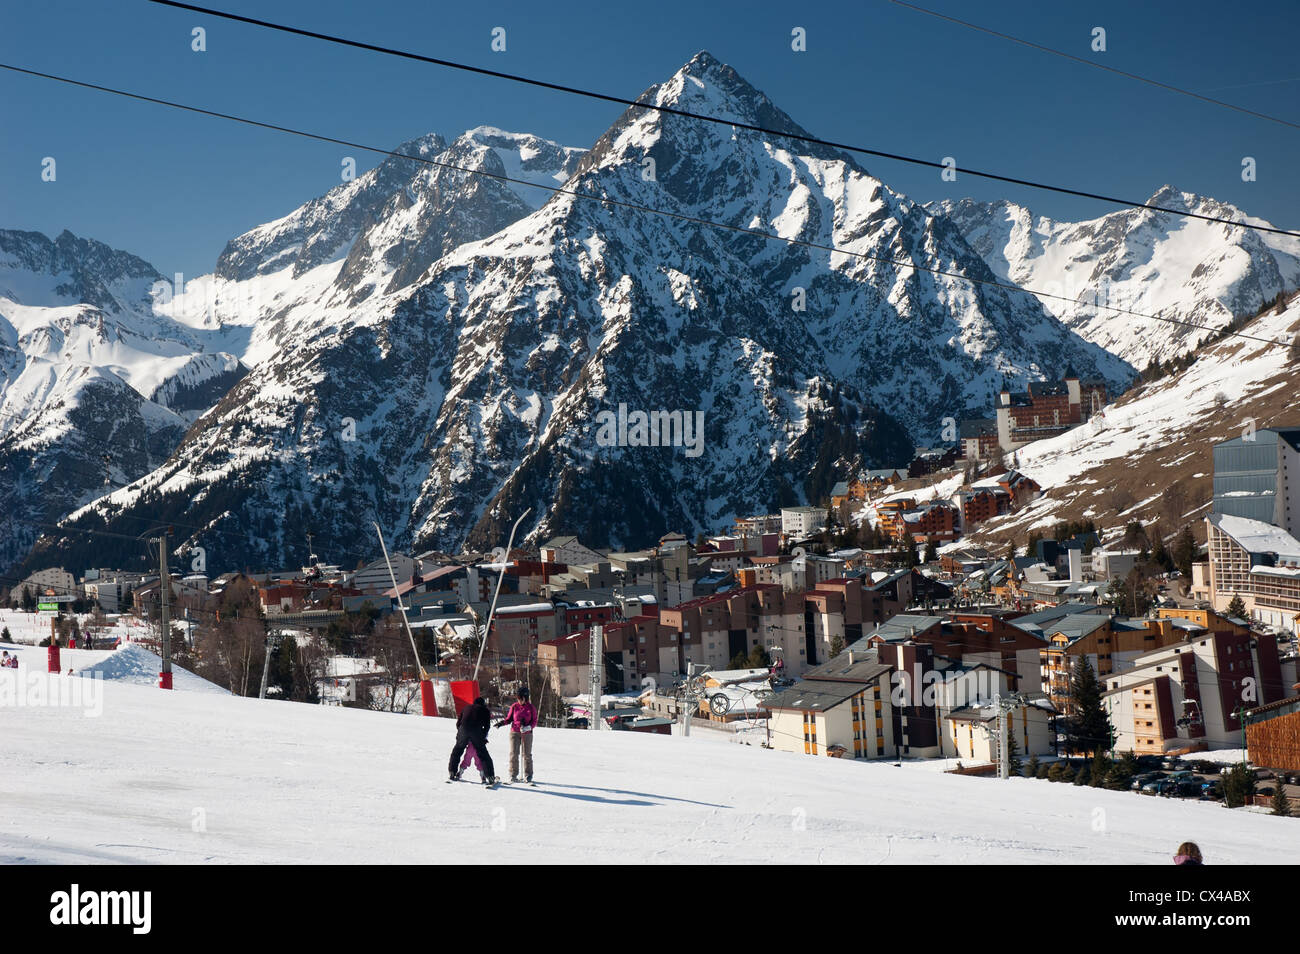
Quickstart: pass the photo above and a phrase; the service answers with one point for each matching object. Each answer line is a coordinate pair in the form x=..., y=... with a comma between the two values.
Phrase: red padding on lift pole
x=428, y=705
x=464, y=691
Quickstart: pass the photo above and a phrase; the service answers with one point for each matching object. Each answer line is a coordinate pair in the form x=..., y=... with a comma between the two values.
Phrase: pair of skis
x=495, y=783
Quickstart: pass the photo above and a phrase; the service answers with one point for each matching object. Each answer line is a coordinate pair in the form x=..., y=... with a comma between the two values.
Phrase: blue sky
x=173, y=187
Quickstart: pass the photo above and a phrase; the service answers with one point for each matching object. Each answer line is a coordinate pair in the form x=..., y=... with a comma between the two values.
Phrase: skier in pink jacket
x=522, y=719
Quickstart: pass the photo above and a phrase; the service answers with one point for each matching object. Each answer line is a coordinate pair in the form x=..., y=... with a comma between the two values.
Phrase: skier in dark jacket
x=472, y=729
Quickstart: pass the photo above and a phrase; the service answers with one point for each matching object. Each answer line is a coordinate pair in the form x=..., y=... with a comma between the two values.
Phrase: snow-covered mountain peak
x=36, y=271
x=1190, y=276
x=521, y=157
x=709, y=87
x=1170, y=197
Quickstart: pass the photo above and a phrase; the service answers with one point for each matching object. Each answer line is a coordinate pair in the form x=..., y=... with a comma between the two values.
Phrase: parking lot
x=1189, y=778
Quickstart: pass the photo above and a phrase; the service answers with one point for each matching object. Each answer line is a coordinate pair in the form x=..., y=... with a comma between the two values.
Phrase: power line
x=650, y=210
x=734, y=124
x=1085, y=61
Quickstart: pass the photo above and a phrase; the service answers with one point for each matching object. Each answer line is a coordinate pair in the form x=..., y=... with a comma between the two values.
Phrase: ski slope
x=189, y=777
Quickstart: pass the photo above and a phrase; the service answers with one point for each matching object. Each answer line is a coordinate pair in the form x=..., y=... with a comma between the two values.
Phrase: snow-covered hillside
x=1160, y=434
x=186, y=777
x=130, y=665
x=1171, y=267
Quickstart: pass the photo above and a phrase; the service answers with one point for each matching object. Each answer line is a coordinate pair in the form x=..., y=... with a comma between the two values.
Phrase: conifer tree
x=1281, y=804
x=1185, y=550
x=1100, y=770
x=1238, y=786
x=1089, y=725
x=1237, y=608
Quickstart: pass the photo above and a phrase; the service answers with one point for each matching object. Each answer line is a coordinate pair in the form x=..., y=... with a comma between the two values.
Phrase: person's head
x=1189, y=853
x=523, y=693
x=480, y=701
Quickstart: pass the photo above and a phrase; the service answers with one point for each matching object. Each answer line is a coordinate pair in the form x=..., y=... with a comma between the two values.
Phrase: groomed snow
x=186, y=777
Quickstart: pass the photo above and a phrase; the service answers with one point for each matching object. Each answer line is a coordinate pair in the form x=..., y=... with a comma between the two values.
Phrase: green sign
x=48, y=607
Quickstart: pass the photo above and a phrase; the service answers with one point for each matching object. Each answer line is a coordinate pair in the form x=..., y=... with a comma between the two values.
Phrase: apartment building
x=711, y=630
x=1045, y=409
x=1257, y=476
x=1110, y=644
x=842, y=709
x=1258, y=562
x=1192, y=693
x=799, y=523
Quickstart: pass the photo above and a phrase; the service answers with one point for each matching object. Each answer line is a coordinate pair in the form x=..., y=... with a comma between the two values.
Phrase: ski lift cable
x=717, y=120
x=679, y=216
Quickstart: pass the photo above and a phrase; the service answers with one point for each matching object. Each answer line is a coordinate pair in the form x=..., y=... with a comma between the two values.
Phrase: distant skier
x=522, y=719
x=471, y=729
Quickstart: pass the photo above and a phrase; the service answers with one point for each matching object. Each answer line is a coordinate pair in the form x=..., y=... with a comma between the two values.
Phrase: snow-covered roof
x=1287, y=571
x=525, y=608
x=735, y=675
x=1256, y=536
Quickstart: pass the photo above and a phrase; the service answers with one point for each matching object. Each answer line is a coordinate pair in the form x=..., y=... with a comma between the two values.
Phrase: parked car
x=1180, y=776
x=1187, y=788
x=1212, y=788
x=1144, y=779
x=1152, y=788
